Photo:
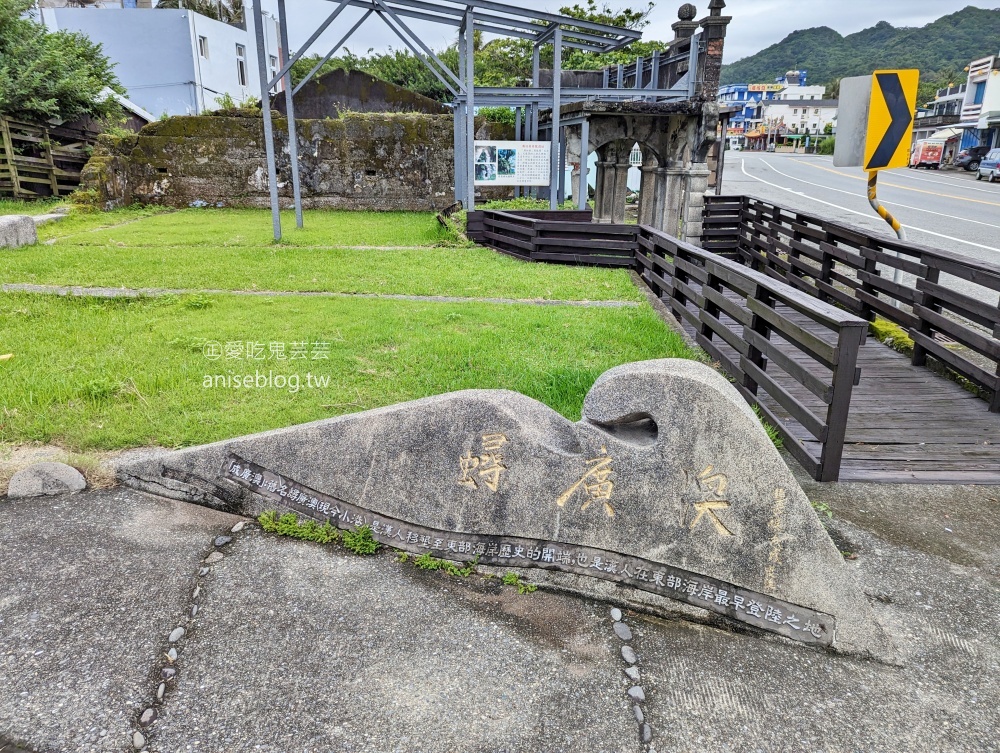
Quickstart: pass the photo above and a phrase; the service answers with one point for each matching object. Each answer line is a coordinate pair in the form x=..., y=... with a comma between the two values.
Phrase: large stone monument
x=668, y=486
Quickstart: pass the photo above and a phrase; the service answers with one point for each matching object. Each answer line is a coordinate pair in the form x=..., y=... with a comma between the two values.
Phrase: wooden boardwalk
x=785, y=320
x=907, y=424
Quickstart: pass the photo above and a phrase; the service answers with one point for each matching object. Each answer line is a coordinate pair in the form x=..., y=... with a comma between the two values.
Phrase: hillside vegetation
x=939, y=50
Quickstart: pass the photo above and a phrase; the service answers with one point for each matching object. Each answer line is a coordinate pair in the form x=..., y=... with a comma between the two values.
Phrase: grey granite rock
x=147, y=717
x=213, y=558
x=222, y=540
x=668, y=463
x=629, y=655
x=45, y=479
x=637, y=694
x=138, y=740
x=639, y=716
x=645, y=733
x=623, y=631
x=633, y=673
x=175, y=635
x=17, y=230
x=616, y=614
x=238, y=527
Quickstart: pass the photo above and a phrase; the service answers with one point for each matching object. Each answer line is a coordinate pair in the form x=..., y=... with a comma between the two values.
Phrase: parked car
x=970, y=158
x=989, y=166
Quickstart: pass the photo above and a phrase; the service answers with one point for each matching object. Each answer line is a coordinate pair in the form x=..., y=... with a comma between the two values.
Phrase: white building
x=174, y=62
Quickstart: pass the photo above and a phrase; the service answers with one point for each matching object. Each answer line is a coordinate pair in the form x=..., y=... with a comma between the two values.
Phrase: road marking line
x=906, y=188
x=893, y=203
x=862, y=214
x=941, y=181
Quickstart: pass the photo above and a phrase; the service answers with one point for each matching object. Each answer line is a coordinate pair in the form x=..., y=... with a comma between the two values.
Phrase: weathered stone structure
x=373, y=161
x=668, y=487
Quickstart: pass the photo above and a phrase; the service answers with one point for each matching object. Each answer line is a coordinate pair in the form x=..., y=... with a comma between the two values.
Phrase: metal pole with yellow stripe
x=882, y=211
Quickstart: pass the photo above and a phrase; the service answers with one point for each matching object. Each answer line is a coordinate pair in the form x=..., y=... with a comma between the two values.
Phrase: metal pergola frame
x=469, y=16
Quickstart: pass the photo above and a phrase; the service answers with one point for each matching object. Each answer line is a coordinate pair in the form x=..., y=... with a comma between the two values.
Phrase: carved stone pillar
x=647, y=195
x=617, y=198
x=603, y=191
x=697, y=185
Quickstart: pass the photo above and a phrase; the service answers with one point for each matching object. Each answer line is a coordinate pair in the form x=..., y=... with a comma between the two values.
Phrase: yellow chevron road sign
x=890, y=119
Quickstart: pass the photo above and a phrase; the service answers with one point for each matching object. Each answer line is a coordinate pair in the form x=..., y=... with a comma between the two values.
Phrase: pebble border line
x=169, y=672
x=635, y=693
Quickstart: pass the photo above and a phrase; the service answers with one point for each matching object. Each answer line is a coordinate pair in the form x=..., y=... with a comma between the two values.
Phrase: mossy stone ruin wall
x=379, y=161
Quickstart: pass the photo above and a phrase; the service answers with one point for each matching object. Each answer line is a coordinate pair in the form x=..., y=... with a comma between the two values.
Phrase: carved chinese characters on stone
x=736, y=602
x=711, y=488
x=595, y=484
x=487, y=467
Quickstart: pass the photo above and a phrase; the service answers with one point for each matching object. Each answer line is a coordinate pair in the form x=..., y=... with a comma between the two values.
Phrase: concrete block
x=17, y=230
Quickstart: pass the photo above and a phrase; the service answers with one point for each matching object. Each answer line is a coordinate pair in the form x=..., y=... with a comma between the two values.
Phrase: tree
x=228, y=11
x=45, y=76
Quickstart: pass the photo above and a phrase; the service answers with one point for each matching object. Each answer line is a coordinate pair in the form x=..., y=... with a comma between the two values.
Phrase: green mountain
x=940, y=50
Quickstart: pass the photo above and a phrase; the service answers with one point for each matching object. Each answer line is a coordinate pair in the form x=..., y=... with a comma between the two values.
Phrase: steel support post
x=293, y=144
x=461, y=150
x=535, y=106
x=556, y=95
x=584, y=160
x=517, y=137
x=265, y=106
x=470, y=105
x=562, y=165
x=458, y=169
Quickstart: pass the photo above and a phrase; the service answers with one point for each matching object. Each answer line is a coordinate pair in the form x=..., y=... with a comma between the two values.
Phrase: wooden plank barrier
x=38, y=160
x=955, y=322
x=539, y=236
x=746, y=320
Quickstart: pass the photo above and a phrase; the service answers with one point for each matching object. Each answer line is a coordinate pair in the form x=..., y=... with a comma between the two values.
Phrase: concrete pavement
x=298, y=647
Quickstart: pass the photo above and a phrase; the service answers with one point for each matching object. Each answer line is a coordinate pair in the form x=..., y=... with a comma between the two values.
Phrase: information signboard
x=512, y=163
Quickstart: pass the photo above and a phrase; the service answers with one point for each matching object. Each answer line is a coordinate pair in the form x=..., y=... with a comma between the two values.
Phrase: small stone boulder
x=17, y=230
x=44, y=479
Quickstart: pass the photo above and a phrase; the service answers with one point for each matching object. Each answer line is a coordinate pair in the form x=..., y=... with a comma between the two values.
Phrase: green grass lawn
x=466, y=272
x=14, y=206
x=230, y=249
x=155, y=227
x=93, y=374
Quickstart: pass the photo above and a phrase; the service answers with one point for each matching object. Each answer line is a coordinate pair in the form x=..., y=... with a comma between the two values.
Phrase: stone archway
x=674, y=168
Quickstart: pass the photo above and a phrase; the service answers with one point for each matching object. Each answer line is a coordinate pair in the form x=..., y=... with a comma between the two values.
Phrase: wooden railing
x=567, y=241
x=855, y=270
x=41, y=160
x=721, y=226
x=737, y=315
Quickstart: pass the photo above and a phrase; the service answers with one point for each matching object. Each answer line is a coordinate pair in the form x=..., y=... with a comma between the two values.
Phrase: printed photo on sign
x=486, y=154
x=507, y=162
x=486, y=171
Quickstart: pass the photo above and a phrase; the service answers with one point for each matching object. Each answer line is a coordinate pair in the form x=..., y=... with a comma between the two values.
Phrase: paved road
x=943, y=209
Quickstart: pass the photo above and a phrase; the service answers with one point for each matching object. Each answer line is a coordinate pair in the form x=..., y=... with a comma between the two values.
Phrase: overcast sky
x=756, y=23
